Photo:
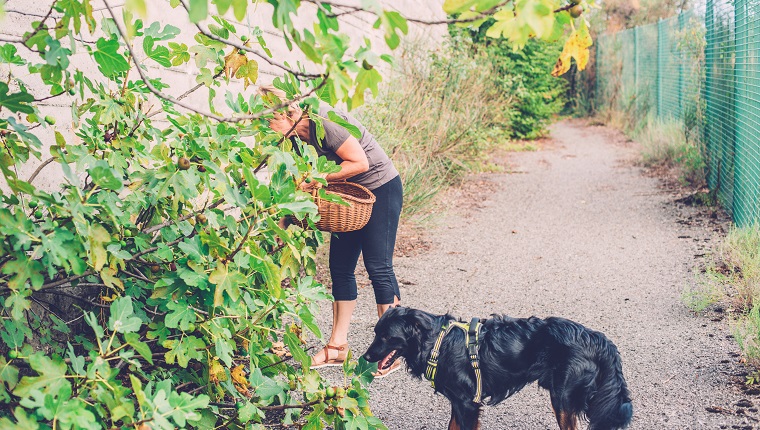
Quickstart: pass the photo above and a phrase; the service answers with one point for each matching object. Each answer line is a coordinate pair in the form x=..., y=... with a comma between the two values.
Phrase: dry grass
x=437, y=117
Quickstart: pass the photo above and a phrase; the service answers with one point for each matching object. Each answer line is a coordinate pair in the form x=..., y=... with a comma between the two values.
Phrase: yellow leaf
x=216, y=372
x=234, y=61
x=249, y=72
x=576, y=47
x=109, y=278
x=98, y=236
x=239, y=380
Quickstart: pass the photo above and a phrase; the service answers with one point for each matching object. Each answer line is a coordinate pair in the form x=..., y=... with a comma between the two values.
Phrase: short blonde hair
x=294, y=110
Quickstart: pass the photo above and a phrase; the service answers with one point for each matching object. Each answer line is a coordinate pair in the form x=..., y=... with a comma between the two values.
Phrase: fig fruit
x=183, y=163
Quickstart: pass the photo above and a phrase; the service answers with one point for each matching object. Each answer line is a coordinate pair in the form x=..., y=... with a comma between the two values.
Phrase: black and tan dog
x=580, y=367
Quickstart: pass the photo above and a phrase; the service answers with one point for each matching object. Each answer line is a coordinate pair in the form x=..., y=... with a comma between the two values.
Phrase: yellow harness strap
x=472, y=337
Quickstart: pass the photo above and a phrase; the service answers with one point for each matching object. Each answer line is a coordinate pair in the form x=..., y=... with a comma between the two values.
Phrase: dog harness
x=471, y=338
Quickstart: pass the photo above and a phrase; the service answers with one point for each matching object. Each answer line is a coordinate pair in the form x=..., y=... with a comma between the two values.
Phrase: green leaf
x=155, y=32
x=8, y=55
x=16, y=102
x=8, y=374
x=180, y=315
x=198, y=10
x=105, y=176
x=158, y=53
x=110, y=62
x=50, y=379
x=122, y=316
x=299, y=209
x=354, y=130
x=142, y=348
x=184, y=349
x=24, y=270
x=239, y=8
x=138, y=7
x=364, y=371
x=294, y=345
x=226, y=281
x=185, y=407
x=457, y=6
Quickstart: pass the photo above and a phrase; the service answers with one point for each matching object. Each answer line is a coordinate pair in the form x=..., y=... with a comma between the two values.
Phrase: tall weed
x=734, y=275
x=665, y=144
x=436, y=118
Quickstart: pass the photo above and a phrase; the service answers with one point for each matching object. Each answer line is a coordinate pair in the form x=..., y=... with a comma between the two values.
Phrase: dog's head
x=398, y=333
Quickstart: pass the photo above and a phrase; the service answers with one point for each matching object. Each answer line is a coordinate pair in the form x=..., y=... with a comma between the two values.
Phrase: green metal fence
x=702, y=70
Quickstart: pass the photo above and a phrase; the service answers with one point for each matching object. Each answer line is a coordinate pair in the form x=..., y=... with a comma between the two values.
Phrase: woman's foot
x=330, y=356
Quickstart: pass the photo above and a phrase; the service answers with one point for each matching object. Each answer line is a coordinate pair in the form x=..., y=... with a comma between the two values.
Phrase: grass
x=733, y=277
x=665, y=144
x=437, y=117
x=519, y=146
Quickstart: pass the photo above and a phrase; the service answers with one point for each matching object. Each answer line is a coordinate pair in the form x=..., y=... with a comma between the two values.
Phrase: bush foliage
x=525, y=75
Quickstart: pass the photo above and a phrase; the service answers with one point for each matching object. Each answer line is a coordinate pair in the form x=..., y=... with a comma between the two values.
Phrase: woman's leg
x=379, y=241
x=344, y=254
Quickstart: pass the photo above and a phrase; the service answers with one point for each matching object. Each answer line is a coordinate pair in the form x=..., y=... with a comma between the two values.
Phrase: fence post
x=660, y=43
x=636, y=66
x=706, y=94
x=681, y=89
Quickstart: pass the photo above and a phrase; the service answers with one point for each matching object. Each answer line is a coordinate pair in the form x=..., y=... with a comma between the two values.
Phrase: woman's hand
x=308, y=187
x=281, y=123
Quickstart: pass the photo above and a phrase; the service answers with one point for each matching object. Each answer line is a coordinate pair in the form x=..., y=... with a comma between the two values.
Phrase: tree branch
x=159, y=94
x=269, y=408
x=264, y=57
x=355, y=9
x=39, y=169
x=39, y=26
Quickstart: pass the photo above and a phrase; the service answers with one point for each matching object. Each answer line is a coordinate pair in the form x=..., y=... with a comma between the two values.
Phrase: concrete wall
x=21, y=13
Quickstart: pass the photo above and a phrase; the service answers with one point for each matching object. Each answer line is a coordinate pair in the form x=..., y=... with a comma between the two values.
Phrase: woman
x=364, y=162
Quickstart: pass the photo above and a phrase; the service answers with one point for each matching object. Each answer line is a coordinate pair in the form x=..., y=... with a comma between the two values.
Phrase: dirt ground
x=573, y=230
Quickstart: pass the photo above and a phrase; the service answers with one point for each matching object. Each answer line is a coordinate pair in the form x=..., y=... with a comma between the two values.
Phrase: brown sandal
x=338, y=361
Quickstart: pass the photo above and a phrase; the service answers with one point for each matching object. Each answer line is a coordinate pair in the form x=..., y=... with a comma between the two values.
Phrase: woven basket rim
x=370, y=199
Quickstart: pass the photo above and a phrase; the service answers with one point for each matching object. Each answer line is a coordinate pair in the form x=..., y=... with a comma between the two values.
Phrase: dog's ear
x=418, y=320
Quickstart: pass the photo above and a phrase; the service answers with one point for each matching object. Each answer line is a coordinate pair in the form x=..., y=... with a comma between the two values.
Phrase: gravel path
x=581, y=234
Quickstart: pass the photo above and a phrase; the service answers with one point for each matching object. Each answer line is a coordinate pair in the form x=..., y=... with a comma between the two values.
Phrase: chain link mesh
x=702, y=70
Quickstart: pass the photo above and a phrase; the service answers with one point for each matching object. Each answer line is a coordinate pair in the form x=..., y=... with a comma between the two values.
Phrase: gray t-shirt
x=381, y=168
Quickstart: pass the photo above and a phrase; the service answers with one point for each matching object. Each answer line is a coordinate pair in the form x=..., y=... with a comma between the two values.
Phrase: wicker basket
x=338, y=218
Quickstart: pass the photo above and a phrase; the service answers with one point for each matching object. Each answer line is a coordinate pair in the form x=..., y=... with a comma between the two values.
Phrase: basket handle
x=315, y=192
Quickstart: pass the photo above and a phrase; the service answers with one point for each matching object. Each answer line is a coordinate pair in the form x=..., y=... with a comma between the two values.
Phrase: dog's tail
x=609, y=405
